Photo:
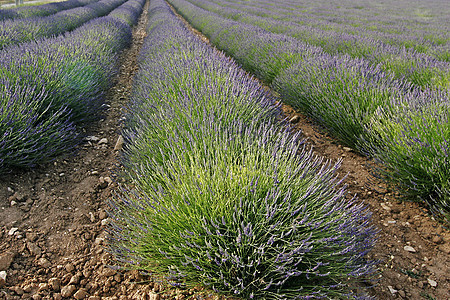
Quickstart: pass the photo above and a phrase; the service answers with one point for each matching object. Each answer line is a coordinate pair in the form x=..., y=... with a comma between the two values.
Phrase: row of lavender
x=51, y=88
x=422, y=69
x=223, y=194
x=424, y=27
x=404, y=128
x=13, y=32
x=41, y=10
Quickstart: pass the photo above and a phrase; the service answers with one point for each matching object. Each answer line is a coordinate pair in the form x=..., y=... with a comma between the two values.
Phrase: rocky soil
x=53, y=220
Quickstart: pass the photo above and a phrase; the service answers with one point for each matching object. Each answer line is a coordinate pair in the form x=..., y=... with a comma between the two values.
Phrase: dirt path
x=52, y=221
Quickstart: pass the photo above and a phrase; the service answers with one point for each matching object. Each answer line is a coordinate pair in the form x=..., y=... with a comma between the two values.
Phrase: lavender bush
x=411, y=144
x=13, y=32
x=54, y=87
x=41, y=10
x=222, y=194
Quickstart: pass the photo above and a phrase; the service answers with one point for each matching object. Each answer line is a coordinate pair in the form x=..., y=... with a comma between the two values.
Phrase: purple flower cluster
x=18, y=31
x=222, y=193
x=52, y=87
x=41, y=10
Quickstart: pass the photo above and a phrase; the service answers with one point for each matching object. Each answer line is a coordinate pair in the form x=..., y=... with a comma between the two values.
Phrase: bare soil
x=53, y=220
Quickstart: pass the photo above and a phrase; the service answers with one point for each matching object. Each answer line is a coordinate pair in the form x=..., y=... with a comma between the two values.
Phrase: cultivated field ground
x=225, y=149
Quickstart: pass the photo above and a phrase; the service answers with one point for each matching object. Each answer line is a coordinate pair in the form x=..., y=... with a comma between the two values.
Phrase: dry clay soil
x=53, y=220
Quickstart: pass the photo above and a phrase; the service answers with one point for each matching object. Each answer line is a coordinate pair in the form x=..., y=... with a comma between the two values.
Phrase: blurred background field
x=11, y=3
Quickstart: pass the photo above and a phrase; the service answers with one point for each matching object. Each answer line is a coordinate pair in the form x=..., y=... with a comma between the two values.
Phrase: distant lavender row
x=418, y=25
x=419, y=68
x=41, y=10
x=348, y=96
x=222, y=194
x=14, y=32
x=51, y=88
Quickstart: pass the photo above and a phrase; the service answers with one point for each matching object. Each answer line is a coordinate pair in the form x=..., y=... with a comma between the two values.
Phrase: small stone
x=2, y=278
x=36, y=297
x=10, y=190
x=6, y=260
x=153, y=296
x=420, y=284
x=347, y=148
x=108, y=180
x=75, y=279
x=102, y=215
x=94, y=298
x=437, y=239
x=80, y=294
x=19, y=291
x=68, y=290
x=392, y=290
x=105, y=222
x=70, y=267
x=57, y=296
x=13, y=203
x=55, y=283
x=109, y=272
x=294, y=119
x=409, y=249
x=91, y=217
x=103, y=141
x=13, y=230
x=402, y=293
x=34, y=249
x=42, y=286
x=102, y=183
x=92, y=138
x=119, y=143
x=432, y=282
x=43, y=262
x=385, y=207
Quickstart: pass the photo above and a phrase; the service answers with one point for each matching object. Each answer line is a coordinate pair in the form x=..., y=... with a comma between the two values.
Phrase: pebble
x=102, y=215
x=91, y=217
x=437, y=239
x=347, y=148
x=119, y=143
x=34, y=249
x=2, y=278
x=13, y=230
x=402, y=293
x=105, y=222
x=103, y=141
x=68, y=290
x=43, y=262
x=109, y=272
x=432, y=282
x=13, y=203
x=75, y=279
x=70, y=267
x=55, y=283
x=153, y=296
x=409, y=249
x=92, y=138
x=10, y=190
x=294, y=119
x=80, y=294
x=385, y=207
x=6, y=260
x=392, y=290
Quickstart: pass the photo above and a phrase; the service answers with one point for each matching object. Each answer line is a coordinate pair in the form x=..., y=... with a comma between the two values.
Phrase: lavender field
x=215, y=187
